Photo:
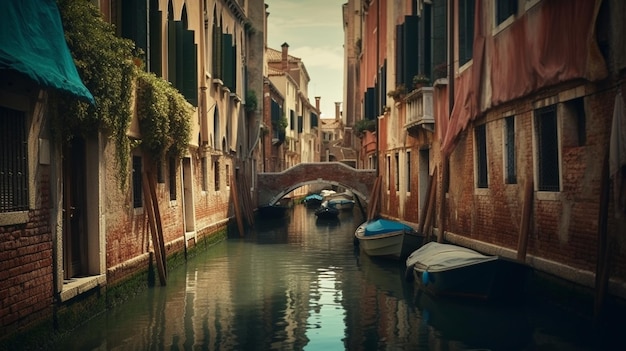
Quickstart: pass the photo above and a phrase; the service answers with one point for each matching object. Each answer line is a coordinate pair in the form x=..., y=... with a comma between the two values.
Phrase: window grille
x=13, y=161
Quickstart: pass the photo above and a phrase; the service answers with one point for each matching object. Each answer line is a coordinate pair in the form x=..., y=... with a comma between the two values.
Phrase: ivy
x=104, y=62
x=107, y=66
x=363, y=125
x=164, y=117
x=251, y=101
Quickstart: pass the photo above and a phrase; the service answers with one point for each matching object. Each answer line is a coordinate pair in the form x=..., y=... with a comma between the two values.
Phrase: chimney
x=337, y=113
x=317, y=103
x=285, y=57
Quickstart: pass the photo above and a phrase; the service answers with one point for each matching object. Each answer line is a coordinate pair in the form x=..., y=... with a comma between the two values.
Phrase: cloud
x=327, y=57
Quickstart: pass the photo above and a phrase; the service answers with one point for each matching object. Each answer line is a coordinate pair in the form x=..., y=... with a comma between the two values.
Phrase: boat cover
x=383, y=226
x=437, y=257
x=314, y=197
x=341, y=201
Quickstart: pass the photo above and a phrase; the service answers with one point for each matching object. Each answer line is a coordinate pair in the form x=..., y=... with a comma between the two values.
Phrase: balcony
x=419, y=110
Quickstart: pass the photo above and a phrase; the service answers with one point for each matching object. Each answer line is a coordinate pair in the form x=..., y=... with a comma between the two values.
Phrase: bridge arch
x=273, y=186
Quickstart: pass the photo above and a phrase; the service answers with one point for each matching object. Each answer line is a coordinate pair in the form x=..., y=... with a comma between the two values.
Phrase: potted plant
x=364, y=125
x=397, y=93
x=420, y=80
x=440, y=70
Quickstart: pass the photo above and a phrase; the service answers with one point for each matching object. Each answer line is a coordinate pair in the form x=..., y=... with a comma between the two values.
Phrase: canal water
x=300, y=284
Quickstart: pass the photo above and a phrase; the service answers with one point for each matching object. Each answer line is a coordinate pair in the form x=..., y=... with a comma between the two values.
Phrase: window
x=204, y=175
x=574, y=126
x=408, y=171
x=397, y=175
x=172, y=169
x=216, y=175
x=154, y=64
x=137, y=184
x=547, y=152
x=13, y=161
x=509, y=151
x=388, y=175
x=505, y=9
x=466, y=30
x=182, y=57
x=227, y=175
x=481, y=156
x=160, y=175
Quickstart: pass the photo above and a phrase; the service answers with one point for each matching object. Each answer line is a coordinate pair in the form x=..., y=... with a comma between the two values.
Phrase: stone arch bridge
x=273, y=186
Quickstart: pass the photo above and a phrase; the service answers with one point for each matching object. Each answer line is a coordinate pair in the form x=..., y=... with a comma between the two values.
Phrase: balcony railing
x=419, y=109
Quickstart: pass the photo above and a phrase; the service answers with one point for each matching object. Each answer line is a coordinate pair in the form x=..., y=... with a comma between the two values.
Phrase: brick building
x=70, y=229
x=518, y=95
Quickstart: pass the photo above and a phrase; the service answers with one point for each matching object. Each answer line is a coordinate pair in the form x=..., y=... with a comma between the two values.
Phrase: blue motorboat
x=313, y=200
x=384, y=237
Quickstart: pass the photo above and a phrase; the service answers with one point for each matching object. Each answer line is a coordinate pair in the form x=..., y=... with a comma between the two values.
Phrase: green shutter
x=189, y=65
x=155, y=62
x=227, y=59
x=411, y=47
x=171, y=51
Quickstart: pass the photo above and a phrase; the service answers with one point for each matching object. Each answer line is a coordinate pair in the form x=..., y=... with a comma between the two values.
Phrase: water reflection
x=301, y=284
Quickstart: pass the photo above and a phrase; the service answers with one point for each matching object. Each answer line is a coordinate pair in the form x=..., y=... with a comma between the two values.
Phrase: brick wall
x=26, y=282
x=564, y=227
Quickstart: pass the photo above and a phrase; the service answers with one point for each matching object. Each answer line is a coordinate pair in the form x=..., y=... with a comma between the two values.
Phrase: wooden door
x=74, y=209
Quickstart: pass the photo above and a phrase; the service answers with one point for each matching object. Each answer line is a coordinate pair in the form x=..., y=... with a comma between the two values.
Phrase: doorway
x=74, y=209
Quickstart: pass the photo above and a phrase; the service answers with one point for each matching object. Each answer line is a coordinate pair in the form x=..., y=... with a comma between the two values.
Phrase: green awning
x=32, y=42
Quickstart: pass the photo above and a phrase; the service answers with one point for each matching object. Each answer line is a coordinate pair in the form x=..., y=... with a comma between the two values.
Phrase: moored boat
x=383, y=237
x=451, y=270
x=313, y=200
x=342, y=204
x=326, y=211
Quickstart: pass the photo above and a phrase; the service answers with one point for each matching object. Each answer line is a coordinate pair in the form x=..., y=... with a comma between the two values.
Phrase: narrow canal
x=300, y=284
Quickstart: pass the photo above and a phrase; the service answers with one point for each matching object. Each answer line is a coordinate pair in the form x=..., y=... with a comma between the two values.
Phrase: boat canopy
x=314, y=197
x=437, y=257
x=382, y=226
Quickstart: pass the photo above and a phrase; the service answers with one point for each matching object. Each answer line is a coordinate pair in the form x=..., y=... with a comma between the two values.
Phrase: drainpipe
x=444, y=158
x=377, y=67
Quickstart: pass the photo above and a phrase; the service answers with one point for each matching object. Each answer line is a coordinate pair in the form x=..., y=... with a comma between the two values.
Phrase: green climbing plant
x=105, y=64
x=108, y=66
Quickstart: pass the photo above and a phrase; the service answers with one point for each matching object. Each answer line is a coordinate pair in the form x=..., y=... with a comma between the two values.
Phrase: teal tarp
x=32, y=42
x=383, y=226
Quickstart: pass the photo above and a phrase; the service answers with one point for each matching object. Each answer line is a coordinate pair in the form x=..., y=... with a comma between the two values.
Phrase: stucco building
x=80, y=220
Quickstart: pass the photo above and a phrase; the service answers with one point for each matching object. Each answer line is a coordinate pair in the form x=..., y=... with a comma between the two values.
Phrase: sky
x=314, y=31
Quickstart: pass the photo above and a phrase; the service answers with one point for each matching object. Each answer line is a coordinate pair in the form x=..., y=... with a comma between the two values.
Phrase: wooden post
x=154, y=221
x=428, y=204
x=430, y=213
x=524, y=230
x=235, y=196
x=602, y=265
x=442, y=196
x=374, y=199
